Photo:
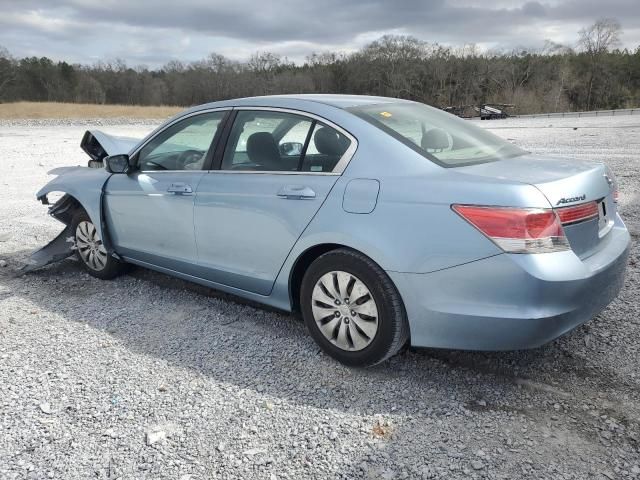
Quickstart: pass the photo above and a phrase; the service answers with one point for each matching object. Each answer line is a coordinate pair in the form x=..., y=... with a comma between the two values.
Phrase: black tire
x=392, y=327
x=112, y=266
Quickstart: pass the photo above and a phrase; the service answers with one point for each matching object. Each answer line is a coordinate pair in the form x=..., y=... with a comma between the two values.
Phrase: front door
x=276, y=171
x=149, y=212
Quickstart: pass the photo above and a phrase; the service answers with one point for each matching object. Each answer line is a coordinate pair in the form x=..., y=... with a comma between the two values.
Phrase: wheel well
x=65, y=208
x=300, y=267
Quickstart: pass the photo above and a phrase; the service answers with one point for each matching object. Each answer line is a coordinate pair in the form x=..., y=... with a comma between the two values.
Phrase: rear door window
x=282, y=142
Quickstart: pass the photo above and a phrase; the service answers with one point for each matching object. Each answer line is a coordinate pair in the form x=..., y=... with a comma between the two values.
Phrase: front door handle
x=297, y=192
x=180, y=189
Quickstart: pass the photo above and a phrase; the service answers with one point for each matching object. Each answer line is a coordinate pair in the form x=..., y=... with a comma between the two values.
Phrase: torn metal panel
x=63, y=245
x=59, y=248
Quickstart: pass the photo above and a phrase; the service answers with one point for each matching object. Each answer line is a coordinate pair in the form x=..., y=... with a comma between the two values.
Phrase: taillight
x=616, y=194
x=578, y=213
x=517, y=230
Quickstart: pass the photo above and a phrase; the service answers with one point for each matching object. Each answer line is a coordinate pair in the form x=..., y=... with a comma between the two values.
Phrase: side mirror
x=117, y=163
x=291, y=148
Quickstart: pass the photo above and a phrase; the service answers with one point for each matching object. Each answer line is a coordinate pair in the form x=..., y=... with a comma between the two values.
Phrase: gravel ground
x=150, y=377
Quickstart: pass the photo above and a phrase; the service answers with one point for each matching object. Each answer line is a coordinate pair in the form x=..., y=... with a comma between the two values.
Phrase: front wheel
x=352, y=309
x=91, y=251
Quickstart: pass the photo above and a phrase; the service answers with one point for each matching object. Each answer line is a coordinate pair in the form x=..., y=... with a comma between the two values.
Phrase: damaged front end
x=83, y=190
x=61, y=247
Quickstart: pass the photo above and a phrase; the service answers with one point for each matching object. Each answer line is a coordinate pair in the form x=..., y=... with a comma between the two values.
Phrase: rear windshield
x=441, y=137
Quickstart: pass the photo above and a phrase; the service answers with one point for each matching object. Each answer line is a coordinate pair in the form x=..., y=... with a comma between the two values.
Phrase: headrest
x=263, y=150
x=330, y=142
x=435, y=139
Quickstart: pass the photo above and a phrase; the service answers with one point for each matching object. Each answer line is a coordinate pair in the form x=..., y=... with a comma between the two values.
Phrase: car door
x=149, y=212
x=274, y=174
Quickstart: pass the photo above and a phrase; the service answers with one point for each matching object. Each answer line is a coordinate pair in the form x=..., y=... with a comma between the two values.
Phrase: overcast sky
x=152, y=33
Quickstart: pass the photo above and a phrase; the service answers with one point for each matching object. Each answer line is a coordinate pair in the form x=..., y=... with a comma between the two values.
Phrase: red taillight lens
x=517, y=230
x=616, y=195
x=578, y=213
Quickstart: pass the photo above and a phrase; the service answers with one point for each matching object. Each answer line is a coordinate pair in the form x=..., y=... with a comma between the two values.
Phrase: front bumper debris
x=61, y=247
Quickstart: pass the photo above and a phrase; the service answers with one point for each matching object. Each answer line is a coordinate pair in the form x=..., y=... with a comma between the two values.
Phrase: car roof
x=340, y=101
x=334, y=100
x=324, y=105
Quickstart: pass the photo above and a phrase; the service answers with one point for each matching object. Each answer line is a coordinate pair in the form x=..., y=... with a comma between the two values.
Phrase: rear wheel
x=91, y=251
x=352, y=309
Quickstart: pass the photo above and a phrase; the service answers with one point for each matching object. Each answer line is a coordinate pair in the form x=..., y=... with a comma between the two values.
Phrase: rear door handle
x=180, y=189
x=297, y=192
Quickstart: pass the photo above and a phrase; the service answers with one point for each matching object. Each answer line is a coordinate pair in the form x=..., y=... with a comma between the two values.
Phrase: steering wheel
x=189, y=157
x=156, y=164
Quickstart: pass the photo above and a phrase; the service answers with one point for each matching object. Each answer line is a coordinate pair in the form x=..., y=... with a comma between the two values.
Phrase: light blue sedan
x=383, y=221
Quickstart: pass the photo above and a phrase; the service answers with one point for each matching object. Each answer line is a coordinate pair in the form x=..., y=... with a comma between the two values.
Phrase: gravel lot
x=150, y=377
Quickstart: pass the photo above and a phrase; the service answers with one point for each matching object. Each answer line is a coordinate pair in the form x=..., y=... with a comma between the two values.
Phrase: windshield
x=441, y=137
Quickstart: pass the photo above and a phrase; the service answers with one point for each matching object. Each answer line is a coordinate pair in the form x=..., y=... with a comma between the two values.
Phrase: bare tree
x=600, y=37
x=7, y=72
x=596, y=40
x=264, y=63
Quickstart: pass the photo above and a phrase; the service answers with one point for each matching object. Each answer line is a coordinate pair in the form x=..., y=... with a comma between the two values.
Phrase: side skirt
x=267, y=300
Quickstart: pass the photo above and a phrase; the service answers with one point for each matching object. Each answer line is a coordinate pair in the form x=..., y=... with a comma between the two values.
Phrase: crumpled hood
x=99, y=145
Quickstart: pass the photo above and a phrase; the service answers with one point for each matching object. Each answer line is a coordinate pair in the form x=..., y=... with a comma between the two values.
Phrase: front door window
x=182, y=146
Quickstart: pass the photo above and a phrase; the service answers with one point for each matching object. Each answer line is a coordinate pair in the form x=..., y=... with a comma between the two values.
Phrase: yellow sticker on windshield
x=385, y=114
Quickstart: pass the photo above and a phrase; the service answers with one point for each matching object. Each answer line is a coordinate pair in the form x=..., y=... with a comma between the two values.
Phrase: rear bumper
x=511, y=302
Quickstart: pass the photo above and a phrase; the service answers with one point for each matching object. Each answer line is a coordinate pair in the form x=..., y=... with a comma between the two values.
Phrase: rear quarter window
x=440, y=137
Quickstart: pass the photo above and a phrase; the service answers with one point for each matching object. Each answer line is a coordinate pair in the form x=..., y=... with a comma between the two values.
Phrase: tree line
x=594, y=74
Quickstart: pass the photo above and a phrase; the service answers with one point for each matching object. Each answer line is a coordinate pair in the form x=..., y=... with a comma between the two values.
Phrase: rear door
x=149, y=212
x=274, y=174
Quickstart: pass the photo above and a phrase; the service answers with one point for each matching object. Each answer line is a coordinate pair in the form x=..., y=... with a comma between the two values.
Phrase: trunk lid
x=565, y=183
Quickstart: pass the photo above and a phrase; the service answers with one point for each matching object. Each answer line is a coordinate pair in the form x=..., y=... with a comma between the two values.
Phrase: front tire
x=90, y=250
x=352, y=309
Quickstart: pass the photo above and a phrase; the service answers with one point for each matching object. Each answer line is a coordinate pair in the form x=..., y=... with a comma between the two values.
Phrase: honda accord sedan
x=383, y=221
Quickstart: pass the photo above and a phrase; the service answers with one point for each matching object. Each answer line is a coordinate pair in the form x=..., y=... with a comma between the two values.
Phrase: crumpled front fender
x=83, y=188
x=85, y=185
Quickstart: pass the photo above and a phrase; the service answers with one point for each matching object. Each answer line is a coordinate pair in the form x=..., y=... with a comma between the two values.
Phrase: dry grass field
x=36, y=110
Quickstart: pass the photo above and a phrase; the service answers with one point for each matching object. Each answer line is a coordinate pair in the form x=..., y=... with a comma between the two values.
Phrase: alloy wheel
x=90, y=246
x=344, y=310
